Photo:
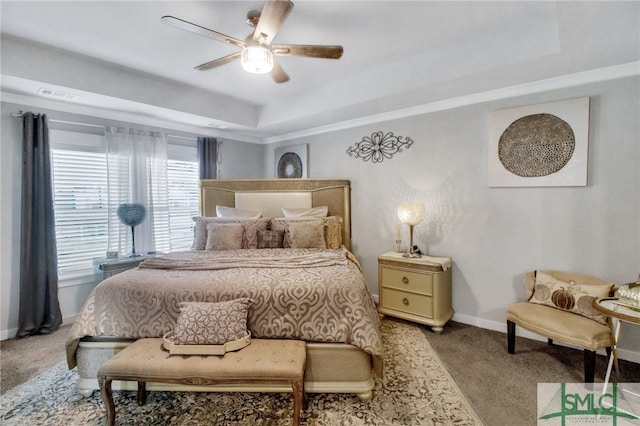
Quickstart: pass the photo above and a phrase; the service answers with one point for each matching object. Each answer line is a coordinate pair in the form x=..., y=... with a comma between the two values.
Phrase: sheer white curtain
x=137, y=173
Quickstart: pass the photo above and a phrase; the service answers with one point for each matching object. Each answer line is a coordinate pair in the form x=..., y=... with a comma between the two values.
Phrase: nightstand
x=111, y=267
x=415, y=289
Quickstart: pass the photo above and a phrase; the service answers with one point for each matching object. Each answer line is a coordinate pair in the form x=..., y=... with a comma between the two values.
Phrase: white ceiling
x=397, y=55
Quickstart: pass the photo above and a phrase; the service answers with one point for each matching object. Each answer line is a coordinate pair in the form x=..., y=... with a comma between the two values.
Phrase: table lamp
x=411, y=214
x=131, y=215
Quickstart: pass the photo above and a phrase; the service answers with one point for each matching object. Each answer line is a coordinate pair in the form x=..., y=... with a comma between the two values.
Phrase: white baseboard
x=11, y=333
x=625, y=354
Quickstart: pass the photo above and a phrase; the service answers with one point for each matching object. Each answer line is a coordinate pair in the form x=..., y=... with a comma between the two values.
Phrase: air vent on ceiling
x=57, y=94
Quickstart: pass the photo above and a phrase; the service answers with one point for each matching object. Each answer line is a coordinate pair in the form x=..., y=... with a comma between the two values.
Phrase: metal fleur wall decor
x=378, y=147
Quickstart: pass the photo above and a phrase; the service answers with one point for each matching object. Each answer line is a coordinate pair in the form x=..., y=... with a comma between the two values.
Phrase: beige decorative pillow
x=224, y=236
x=569, y=296
x=270, y=239
x=333, y=232
x=251, y=228
x=201, y=323
x=332, y=229
x=307, y=234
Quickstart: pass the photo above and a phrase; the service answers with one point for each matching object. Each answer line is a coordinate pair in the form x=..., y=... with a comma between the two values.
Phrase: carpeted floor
x=501, y=387
x=416, y=390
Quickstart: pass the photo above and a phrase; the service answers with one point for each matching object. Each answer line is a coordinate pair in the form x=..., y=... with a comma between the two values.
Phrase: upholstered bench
x=264, y=361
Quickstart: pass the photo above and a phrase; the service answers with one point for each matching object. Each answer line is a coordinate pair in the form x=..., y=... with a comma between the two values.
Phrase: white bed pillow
x=224, y=236
x=321, y=211
x=232, y=212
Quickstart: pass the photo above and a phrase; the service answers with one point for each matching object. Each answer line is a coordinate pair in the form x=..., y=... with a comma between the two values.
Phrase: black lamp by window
x=132, y=214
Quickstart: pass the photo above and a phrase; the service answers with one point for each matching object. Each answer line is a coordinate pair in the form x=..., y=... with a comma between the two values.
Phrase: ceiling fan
x=257, y=51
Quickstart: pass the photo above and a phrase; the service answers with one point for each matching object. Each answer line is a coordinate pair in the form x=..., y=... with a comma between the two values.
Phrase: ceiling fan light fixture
x=257, y=59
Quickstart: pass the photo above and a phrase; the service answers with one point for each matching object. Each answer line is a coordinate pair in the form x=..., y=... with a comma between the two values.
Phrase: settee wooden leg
x=549, y=342
x=511, y=337
x=589, y=365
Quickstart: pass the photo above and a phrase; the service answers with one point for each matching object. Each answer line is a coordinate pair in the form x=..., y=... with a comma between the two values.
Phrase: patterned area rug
x=416, y=390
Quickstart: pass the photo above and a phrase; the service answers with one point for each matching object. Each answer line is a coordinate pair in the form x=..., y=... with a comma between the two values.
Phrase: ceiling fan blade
x=218, y=62
x=312, y=51
x=278, y=74
x=272, y=17
x=206, y=32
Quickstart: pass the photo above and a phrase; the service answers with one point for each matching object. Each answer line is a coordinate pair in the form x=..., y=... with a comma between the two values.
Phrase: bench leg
x=142, y=393
x=299, y=398
x=107, y=396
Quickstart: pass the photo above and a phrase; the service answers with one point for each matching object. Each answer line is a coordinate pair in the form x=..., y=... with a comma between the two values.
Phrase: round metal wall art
x=290, y=166
x=379, y=146
x=536, y=145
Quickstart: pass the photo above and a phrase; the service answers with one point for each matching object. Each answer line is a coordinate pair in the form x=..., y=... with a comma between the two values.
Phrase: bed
x=313, y=294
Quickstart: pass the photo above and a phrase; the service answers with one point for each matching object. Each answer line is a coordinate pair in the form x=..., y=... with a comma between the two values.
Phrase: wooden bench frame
x=105, y=380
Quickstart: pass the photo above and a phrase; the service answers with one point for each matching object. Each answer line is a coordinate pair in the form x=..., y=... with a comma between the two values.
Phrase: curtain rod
x=20, y=114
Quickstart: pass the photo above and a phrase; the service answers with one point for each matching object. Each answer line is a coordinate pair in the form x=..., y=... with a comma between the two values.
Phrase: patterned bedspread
x=309, y=294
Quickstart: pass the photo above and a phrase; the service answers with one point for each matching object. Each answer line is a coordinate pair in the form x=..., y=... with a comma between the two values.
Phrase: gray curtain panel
x=208, y=157
x=39, y=311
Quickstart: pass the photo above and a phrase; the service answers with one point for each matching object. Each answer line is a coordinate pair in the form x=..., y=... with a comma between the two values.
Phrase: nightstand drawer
x=407, y=281
x=408, y=302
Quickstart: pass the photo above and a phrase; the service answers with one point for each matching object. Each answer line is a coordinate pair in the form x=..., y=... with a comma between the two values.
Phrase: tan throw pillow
x=251, y=228
x=227, y=236
x=332, y=229
x=201, y=323
x=307, y=234
x=569, y=296
x=333, y=232
x=270, y=239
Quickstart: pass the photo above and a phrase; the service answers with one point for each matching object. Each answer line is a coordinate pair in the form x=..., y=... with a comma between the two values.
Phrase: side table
x=111, y=267
x=616, y=311
x=415, y=289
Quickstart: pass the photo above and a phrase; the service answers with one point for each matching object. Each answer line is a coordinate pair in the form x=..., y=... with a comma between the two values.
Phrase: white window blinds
x=82, y=200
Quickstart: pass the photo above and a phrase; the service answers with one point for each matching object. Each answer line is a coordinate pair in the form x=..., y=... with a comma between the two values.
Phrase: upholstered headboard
x=271, y=195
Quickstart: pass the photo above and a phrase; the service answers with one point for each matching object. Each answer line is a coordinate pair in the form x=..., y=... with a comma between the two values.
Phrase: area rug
x=416, y=390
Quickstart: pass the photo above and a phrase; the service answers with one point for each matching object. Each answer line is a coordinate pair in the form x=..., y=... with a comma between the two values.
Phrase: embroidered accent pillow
x=270, y=239
x=201, y=323
x=333, y=232
x=569, y=296
x=224, y=236
x=307, y=234
x=251, y=228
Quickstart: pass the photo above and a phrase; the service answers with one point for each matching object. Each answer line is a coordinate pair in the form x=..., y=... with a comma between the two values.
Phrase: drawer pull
x=405, y=280
x=405, y=301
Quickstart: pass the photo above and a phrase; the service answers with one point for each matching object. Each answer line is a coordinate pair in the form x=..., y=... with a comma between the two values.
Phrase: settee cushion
x=560, y=325
x=570, y=295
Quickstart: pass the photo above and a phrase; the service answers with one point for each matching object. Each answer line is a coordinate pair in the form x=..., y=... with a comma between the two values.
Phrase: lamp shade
x=257, y=59
x=411, y=213
x=131, y=214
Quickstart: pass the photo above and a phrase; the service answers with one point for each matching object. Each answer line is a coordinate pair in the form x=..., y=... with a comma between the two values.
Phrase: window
x=81, y=199
x=182, y=176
